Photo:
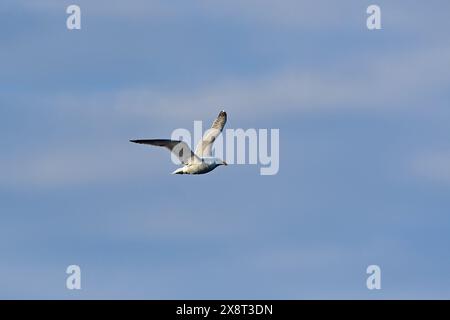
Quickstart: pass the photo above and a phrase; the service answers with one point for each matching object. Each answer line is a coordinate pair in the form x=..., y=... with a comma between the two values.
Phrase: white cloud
x=434, y=166
x=78, y=165
x=372, y=82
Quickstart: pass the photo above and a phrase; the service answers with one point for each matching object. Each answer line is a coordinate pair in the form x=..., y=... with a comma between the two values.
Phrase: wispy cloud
x=77, y=165
x=433, y=165
x=396, y=80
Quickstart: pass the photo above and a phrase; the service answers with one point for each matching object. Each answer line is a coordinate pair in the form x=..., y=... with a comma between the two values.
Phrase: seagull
x=199, y=162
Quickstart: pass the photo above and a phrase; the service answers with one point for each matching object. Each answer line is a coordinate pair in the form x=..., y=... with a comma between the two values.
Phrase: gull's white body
x=201, y=161
x=207, y=165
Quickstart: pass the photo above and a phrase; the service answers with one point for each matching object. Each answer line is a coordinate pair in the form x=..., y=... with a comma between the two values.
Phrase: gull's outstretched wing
x=179, y=148
x=204, y=147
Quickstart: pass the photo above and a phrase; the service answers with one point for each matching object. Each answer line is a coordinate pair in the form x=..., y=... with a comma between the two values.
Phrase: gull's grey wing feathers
x=179, y=148
x=204, y=147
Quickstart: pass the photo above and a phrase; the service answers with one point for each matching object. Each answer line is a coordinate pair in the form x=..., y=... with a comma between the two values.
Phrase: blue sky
x=364, y=150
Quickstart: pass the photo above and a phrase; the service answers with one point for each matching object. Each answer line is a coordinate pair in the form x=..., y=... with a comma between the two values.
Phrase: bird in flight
x=199, y=162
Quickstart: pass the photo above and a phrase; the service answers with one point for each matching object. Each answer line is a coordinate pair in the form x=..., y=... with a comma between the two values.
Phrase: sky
x=364, y=176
